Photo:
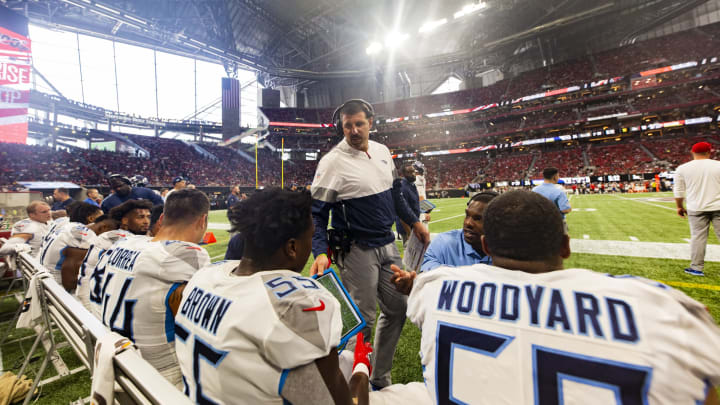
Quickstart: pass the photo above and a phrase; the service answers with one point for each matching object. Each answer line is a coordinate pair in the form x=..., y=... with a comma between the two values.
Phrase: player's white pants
x=414, y=393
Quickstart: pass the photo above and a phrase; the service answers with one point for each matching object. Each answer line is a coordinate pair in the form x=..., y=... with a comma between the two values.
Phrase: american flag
x=230, y=93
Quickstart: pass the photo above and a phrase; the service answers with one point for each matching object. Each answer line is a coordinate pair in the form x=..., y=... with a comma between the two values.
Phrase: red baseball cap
x=701, y=147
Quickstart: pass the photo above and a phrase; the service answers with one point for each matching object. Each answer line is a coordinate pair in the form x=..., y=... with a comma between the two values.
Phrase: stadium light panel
x=107, y=8
x=469, y=9
x=373, y=48
x=394, y=39
x=137, y=20
x=432, y=25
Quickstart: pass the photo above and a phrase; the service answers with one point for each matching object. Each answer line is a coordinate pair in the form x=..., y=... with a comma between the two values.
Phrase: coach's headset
x=337, y=121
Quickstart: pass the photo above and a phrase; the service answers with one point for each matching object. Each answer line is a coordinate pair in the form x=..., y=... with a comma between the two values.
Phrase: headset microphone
x=337, y=120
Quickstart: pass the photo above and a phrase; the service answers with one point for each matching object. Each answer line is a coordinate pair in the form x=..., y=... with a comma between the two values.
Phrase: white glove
x=12, y=245
x=22, y=248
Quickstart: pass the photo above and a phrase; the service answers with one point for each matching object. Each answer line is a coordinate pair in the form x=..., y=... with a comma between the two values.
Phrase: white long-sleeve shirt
x=698, y=181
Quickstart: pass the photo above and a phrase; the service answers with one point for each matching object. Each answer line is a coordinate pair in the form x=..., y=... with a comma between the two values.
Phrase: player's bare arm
x=11, y=245
x=70, y=267
x=175, y=298
x=712, y=397
x=322, y=382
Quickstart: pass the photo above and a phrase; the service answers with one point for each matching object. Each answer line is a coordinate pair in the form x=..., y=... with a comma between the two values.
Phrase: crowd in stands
x=171, y=158
x=511, y=167
x=566, y=160
x=620, y=158
x=39, y=163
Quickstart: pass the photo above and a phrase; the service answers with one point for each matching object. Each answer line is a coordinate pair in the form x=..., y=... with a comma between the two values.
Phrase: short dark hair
x=119, y=212
x=269, y=218
x=62, y=190
x=550, y=172
x=155, y=213
x=185, y=206
x=82, y=212
x=523, y=225
x=103, y=217
x=71, y=207
x=483, y=197
x=354, y=107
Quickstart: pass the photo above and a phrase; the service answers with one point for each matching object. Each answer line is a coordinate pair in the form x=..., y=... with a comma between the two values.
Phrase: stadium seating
x=675, y=95
x=568, y=161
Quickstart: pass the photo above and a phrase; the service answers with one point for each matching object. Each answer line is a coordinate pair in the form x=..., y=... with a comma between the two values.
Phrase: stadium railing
x=139, y=382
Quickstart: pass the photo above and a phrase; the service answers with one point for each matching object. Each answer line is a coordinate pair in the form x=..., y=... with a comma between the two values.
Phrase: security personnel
x=354, y=181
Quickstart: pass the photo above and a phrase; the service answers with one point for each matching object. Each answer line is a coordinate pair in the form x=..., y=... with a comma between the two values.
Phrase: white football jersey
x=69, y=235
x=420, y=186
x=129, y=291
x=34, y=228
x=51, y=227
x=237, y=336
x=495, y=336
x=99, y=245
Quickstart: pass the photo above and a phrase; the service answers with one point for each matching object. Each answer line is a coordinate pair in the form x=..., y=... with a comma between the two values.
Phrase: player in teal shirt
x=550, y=190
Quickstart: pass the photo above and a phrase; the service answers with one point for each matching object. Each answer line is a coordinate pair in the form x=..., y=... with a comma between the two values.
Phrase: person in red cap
x=698, y=182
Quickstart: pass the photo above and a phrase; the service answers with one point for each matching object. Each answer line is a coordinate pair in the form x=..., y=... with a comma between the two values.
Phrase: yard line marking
x=218, y=226
x=656, y=250
x=217, y=256
x=586, y=236
x=644, y=202
x=445, y=219
x=634, y=239
x=691, y=285
x=686, y=240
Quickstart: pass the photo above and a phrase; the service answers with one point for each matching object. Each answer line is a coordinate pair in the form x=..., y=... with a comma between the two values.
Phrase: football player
x=137, y=283
x=526, y=330
x=132, y=216
x=255, y=331
x=64, y=248
x=26, y=234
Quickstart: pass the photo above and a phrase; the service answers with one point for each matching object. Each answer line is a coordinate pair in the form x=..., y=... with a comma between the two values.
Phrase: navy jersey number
x=551, y=367
x=201, y=351
x=124, y=305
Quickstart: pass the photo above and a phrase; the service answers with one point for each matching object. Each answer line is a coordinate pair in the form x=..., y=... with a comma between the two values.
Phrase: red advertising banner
x=15, y=68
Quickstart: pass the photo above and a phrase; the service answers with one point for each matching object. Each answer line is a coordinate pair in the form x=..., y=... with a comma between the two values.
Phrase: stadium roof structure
x=289, y=41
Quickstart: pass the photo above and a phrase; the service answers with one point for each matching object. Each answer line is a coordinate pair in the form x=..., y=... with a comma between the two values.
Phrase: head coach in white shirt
x=698, y=182
x=354, y=182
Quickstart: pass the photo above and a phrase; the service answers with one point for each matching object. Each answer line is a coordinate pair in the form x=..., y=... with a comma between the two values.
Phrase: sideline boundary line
x=691, y=285
x=445, y=219
x=643, y=202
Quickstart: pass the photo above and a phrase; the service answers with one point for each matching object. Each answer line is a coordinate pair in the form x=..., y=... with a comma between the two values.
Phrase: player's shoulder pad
x=80, y=231
x=303, y=306
x=689, y=304
x=190, y=253
x=22, y=224
x=397, y=182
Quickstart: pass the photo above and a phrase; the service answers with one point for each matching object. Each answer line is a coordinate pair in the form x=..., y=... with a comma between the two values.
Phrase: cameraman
x=354, y=181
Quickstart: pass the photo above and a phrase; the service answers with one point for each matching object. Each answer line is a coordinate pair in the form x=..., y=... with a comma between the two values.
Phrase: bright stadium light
x=394, y=39
x=469, y=9
x=373, y=48
x=431, y=25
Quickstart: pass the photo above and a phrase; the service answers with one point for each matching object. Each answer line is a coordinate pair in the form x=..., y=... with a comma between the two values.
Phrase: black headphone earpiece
x=367, y=107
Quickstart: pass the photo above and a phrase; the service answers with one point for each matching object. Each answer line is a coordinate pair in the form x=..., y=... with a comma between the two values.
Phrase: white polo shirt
x=698, y=181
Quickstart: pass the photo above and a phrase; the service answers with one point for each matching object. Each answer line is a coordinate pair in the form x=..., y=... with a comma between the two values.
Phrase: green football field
x=645, y=224
x=636, y=234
